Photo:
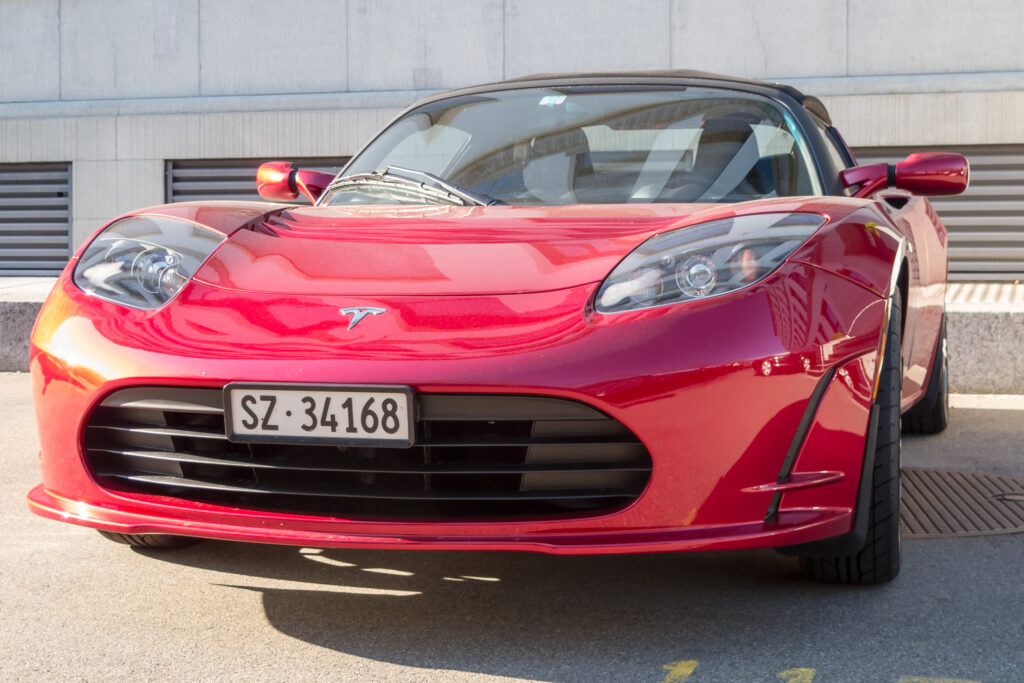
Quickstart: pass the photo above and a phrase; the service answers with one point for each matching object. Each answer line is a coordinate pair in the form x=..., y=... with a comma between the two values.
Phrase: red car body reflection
x=716, y=387
x=500, y=301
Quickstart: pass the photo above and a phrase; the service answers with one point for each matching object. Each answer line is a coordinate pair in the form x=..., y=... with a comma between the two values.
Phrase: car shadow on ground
x=541, y=617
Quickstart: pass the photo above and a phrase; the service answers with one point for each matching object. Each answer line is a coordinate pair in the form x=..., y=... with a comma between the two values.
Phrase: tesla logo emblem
x=360, y=313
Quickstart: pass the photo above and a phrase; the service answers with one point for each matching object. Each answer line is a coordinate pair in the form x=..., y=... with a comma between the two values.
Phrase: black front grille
x=476, y=456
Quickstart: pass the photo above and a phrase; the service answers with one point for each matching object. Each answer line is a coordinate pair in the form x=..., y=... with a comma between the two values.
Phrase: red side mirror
x=928, y=175
x=275, y=180
x=280, y=181
x=933, y=175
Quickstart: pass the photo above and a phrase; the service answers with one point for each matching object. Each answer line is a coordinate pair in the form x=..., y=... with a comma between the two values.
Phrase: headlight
x=144, y=261
x=704, y=260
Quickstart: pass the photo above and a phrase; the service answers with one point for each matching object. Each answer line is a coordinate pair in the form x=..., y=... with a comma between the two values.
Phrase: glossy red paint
x=280, y=181
x=860, y=247
x=903, y=225
x=275, y=180
x=866, y=180
x=312, y=183
x=715, y=388
x=444, y=251
x=753, y=406
x=931, y=174
x=225, y=218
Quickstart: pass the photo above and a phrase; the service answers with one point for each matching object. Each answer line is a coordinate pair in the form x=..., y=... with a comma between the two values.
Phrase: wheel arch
x=862, y=246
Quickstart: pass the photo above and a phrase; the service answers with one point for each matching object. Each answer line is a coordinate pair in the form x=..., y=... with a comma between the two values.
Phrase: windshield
x=593, y=146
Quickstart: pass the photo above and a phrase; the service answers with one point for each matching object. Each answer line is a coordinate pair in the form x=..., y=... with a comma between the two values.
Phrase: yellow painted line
x=799, y=675
x=679, y=671
x=926, y=679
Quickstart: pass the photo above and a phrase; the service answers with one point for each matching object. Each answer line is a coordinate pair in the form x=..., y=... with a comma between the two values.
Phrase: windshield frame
x=796, y=115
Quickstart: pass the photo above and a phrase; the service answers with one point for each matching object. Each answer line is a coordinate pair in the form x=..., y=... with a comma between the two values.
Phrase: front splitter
x=789, y=527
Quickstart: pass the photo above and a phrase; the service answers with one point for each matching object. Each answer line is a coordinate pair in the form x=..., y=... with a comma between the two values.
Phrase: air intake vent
x=476, y=457
x=199, y=179
x=35, y=225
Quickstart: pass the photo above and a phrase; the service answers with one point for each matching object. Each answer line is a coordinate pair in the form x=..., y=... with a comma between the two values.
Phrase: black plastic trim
x=798, y=440
x=200, y=459
x=439, y=496
x=293, y=185
x=476, y=456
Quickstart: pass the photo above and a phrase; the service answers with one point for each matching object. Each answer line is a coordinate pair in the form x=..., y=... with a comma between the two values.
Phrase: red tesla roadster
x=574, y=314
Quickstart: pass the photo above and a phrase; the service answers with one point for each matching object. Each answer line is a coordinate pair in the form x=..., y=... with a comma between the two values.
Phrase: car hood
x=437, y=250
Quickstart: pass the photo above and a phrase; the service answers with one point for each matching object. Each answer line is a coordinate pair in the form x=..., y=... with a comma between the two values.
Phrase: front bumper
x=715, y=390
x=790, y=528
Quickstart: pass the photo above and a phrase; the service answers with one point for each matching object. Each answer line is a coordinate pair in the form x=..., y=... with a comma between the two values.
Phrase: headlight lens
x=704, y=260
x=144, y=261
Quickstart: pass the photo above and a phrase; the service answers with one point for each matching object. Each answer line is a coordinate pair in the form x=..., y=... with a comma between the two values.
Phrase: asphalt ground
x=74, y=606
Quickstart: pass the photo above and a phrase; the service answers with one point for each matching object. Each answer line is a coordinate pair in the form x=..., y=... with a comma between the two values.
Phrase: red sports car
x=572, y=314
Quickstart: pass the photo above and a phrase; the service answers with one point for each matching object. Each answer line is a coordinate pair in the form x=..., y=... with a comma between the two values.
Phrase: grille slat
x=198, y=459
x=475, y=456
x=462, y=408
x=440, y=496
x=161, y=431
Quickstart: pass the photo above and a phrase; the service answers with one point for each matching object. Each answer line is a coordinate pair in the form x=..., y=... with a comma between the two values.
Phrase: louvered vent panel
x=198, y=179
x=475, y=456
x=35, y=223
x=986, y=223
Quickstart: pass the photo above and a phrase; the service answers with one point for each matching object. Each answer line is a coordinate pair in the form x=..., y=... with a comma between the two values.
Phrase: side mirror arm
x=868, y=179
x=312, y=183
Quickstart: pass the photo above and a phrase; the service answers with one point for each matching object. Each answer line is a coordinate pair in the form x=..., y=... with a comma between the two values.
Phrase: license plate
x=319, y=413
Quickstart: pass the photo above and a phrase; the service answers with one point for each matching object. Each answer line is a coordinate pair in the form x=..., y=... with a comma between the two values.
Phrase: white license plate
x=319, y=413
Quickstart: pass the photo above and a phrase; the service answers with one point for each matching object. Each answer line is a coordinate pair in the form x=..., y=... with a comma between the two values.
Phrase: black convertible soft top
x=663, y=77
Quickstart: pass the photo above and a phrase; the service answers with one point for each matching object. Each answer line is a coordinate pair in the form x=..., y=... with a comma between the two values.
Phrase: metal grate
x=198, y=179
x=35, y=224
x=943, y=503
x=479, y=456
x=986, y=223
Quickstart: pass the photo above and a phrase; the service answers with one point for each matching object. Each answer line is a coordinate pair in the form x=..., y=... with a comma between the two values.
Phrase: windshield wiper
x=392, y=185
x=462, y=193
x=412, y=180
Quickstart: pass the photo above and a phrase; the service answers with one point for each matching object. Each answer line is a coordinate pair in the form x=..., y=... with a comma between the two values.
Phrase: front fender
x=860, y=245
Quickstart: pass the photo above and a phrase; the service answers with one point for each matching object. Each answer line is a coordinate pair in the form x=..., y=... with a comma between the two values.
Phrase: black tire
x=931, y=415
x=149, y=540
x=878, y=560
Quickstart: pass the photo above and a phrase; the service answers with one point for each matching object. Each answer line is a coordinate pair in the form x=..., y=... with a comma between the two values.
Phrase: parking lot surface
x=74, y=606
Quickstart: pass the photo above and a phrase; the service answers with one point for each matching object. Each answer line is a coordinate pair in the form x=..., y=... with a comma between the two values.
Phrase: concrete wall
x=124, y=49
x=118, y=86
x=118, y=160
